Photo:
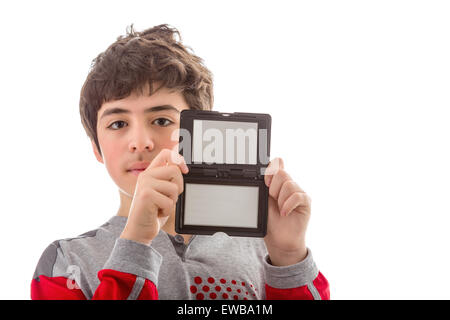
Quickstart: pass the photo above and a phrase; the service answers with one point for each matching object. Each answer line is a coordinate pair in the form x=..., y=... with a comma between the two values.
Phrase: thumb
x=168, y=157
x=274, y=165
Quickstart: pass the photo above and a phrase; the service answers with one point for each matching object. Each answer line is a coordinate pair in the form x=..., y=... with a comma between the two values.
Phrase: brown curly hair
x=136, y=61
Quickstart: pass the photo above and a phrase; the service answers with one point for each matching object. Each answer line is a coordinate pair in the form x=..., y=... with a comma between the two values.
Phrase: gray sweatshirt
x=219, y=265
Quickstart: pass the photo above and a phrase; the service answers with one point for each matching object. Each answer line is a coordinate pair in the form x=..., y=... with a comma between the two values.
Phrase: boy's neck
x=125, y=204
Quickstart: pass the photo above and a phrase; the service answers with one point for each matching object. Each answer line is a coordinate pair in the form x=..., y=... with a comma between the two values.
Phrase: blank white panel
x=231, y=142
x=221, y=205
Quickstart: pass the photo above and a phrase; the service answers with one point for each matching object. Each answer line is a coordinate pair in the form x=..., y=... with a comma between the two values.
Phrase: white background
x=359, y=97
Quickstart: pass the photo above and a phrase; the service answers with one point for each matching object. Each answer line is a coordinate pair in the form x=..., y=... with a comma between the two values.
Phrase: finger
x=168, y=157
x=273, y=167
x=297, y=199
x=177, y=178
x=287, y=188
x=163, y=202
x=169, y=173
x=277, y=181
x=166, y=188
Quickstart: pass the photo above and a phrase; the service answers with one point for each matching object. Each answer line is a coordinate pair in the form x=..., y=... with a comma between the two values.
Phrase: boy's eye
x=163, y=122
x=117, y=125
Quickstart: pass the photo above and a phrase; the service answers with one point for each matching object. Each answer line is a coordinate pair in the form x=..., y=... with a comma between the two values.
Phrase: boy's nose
x=138, y=149
x=141, y=144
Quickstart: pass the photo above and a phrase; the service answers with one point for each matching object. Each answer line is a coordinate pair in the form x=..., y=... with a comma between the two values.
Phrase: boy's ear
x=96, y=152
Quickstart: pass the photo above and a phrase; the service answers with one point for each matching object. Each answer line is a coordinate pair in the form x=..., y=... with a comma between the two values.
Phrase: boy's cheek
x=113, y=164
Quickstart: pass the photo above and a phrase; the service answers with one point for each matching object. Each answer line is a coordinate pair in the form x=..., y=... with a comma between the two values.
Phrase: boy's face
x=136, y=129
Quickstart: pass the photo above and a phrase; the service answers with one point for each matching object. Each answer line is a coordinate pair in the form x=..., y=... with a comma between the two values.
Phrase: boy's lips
x=138, y=167
x=135, y=172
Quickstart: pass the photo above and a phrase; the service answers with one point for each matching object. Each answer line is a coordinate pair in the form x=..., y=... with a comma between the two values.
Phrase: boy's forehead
x=161, y=100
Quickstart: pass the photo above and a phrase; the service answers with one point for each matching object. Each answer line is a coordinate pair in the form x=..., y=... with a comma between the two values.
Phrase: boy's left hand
x=289, y=213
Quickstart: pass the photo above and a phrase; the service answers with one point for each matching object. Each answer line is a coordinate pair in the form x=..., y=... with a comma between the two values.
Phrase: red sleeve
x=320, y=285
x=114, y=285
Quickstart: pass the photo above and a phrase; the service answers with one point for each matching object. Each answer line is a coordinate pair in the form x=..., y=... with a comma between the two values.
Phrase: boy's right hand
x=155, y=196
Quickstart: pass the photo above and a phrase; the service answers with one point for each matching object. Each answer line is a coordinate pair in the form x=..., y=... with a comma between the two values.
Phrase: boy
x=130, y=105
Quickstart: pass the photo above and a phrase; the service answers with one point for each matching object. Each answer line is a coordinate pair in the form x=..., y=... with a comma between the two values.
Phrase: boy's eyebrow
x=116, y=110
